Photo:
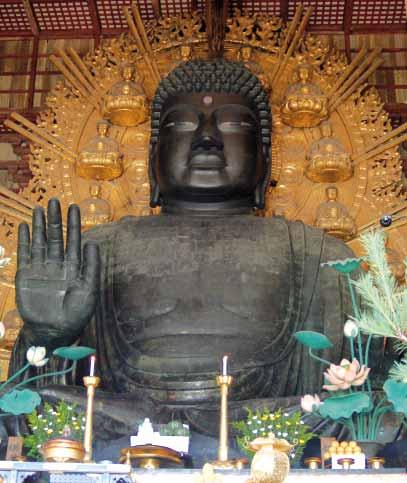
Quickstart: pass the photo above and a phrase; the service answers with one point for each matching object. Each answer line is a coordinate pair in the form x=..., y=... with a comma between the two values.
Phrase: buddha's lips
x=207, y=159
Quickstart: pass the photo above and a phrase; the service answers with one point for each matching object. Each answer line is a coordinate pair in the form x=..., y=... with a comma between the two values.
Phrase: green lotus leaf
x=348, y=265
x=314, y=340
x=20, y=402
x=74, y=353
x=344, y=406
x=397, y=395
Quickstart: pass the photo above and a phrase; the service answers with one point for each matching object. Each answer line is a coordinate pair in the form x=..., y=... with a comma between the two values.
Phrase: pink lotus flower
x=345, y=375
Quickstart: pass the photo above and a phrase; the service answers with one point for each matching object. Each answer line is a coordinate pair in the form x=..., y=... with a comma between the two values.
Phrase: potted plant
x=53, y=422
x=17, y=401
x=287, y=426
x=383, y=313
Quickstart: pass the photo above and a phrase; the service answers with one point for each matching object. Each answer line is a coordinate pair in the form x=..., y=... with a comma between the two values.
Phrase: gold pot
x=62, y=450
x=271, y=463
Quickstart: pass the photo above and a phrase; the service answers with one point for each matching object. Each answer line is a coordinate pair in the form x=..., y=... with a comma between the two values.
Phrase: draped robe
x=178, y=292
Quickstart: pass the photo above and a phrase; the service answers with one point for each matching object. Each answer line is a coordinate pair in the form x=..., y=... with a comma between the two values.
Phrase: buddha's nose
x=208, y=136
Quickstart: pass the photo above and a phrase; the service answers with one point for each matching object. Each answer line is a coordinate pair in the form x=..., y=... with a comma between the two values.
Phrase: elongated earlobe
x=155, y=196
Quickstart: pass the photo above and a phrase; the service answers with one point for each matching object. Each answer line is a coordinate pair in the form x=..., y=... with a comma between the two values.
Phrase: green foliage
x=62, y=420
x=284, y=426
x=74, y=353
x=348, y=265
x=314, y=340
x=384, y=301
x=345, y=406
x=19, y=402
x=397, y=395
x=174, y=428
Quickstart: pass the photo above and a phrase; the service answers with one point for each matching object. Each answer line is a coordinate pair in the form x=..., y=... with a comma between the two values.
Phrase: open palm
x=56, y=291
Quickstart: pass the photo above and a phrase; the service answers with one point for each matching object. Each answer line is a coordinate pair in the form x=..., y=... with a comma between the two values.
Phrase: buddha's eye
x=183, y=125
x=227, y=126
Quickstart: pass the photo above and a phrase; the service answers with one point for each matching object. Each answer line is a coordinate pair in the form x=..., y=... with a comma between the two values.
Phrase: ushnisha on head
x=210, y=138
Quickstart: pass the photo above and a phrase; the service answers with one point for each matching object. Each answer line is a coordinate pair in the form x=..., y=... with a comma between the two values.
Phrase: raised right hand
x=56, y=292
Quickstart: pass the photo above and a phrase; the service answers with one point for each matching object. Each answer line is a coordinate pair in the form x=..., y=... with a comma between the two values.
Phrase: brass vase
x=271, y=463
x=63, y=450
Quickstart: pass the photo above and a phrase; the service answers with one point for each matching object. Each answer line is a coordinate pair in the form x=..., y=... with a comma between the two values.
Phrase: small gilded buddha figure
x=95, y=210
x=328, y=161
x=245, y=56
x=185, y=52
x=334, y=218
x=305, y=105
x=101, y=158
x=126, y=103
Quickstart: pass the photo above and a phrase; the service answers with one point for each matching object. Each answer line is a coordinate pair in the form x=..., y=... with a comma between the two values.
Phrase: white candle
x=225, y=366
x=92, y=365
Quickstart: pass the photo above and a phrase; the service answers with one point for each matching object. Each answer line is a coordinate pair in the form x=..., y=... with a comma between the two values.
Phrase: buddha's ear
x=260, y=190
x=155, y=197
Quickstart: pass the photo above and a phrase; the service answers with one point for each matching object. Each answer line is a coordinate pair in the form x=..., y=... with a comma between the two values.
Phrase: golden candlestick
x=224, y=382
x=91, y=383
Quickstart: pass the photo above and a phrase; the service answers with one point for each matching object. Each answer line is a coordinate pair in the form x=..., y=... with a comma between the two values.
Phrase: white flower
x=350, y=329
x=36, y=356
x=3, y=260
x=310, y=403
x=2, y=330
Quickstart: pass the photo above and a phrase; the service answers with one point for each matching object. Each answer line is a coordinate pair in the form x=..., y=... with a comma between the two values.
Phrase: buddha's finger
x=39, y=236
x=73, y=238
x=23, y=245
x=91, y=265
x=55, y=237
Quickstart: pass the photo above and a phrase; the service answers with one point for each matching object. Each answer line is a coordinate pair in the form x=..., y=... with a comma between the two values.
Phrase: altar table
x=16, y=472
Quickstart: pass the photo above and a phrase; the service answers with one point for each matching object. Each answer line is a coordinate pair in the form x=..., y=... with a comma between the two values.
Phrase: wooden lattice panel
x=13, y=18
x=379, y=12
x=146, y=9
x=61, y=15
x=329, y=12
x=258, y=6
x=175, y=7
x=111, y=14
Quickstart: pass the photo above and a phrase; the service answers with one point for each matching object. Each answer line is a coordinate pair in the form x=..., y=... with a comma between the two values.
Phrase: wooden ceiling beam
x=347, y=26
x=284, y=10
x=31, y=18
x=216, y=12
x=156, y=8
x=95, y=21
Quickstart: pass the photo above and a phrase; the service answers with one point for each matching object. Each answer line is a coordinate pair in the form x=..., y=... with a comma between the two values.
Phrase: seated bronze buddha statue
x=162, y=298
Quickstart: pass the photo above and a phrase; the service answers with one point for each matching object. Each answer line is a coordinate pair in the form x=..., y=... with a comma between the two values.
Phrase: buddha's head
x=245, y=53
x=331, y=193
x=210, y=138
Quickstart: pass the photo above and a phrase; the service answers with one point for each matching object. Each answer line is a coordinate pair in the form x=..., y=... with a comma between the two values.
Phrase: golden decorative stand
x=62, y=450
x=91, y=383
x=313, y=463
x=223, y=462
x=149, y=456
x=376, y=463
x=346, y=463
